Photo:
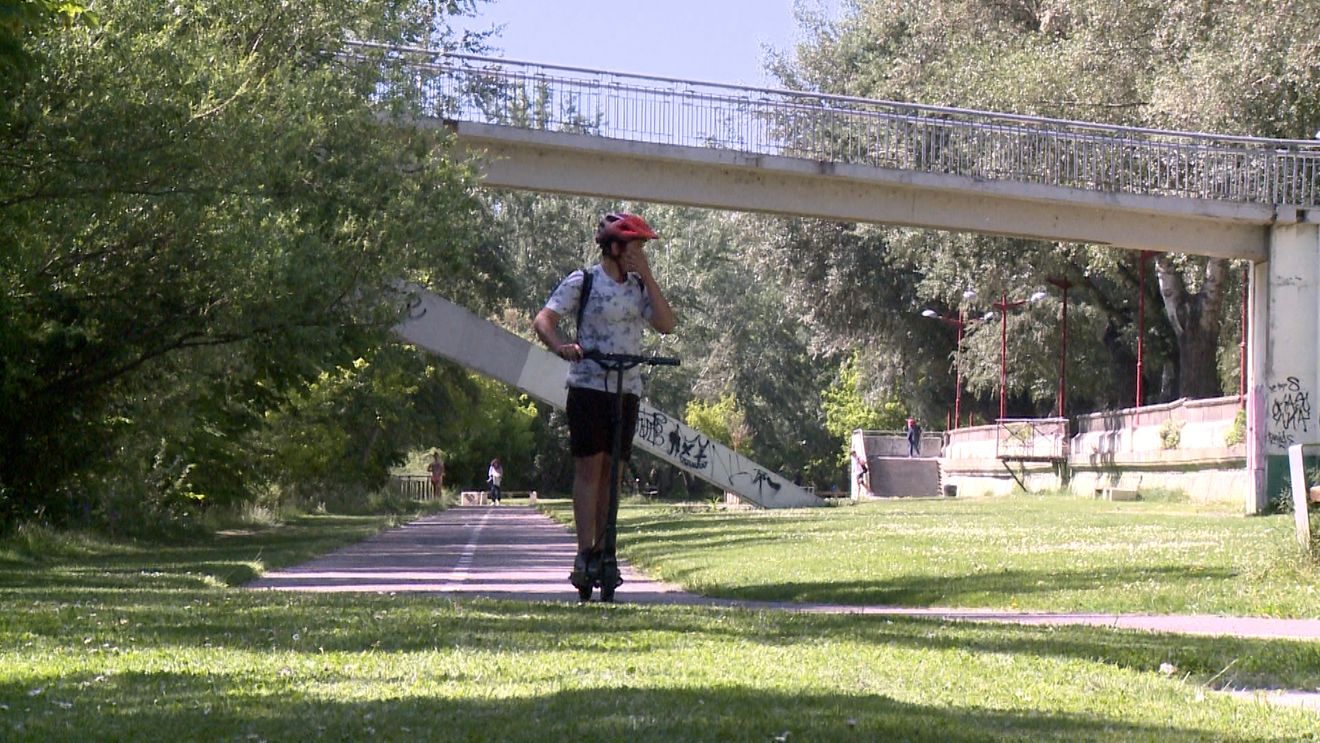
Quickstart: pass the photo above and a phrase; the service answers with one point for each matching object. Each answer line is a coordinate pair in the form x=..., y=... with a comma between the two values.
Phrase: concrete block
x=1116, y=494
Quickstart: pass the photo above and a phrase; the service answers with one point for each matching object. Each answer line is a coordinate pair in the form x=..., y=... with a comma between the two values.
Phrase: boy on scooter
x=623, y=298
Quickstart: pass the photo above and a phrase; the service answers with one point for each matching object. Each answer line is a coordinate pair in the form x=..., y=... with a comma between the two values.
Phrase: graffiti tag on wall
x=1290, y=411
x=697, y=452
x=658, y=430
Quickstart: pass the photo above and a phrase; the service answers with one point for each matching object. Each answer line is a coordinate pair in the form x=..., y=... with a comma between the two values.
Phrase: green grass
x=152, y=642
x=1020, y=552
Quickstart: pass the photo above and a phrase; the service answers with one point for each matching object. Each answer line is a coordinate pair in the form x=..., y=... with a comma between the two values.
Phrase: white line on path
x=459, y=574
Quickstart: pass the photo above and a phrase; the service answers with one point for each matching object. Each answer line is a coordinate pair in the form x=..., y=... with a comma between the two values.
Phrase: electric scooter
x=603, y=568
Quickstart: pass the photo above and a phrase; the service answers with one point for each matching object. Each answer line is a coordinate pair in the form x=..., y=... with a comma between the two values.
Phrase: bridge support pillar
x=1284, y=351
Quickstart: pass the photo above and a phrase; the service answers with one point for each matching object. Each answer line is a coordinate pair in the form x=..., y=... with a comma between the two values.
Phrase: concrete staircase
x=891, y=473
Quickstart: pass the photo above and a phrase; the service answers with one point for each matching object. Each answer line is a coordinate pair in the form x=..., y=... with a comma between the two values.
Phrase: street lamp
x=959, y=323
x=1003, y=306
x=1141, y=324
x=1064, y=285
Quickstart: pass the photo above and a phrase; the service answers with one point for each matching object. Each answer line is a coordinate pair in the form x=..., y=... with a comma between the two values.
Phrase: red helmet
x=623, y=226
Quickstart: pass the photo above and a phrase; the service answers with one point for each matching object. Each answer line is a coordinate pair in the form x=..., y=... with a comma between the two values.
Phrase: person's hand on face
x=634, y=259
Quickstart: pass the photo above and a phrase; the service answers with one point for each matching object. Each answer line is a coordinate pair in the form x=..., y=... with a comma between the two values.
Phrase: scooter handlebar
x=628, y=360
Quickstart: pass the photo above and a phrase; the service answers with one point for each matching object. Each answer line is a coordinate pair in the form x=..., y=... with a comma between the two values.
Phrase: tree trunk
x=1196, y=318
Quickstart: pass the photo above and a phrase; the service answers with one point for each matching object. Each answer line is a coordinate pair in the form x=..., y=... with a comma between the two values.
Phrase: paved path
x=507, y=552
x=514, y=552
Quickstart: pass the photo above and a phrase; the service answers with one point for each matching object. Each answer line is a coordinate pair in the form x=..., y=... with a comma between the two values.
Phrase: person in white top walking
x=495, y=476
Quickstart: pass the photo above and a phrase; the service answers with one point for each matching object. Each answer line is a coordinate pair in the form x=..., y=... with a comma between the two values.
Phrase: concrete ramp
x=445, y=329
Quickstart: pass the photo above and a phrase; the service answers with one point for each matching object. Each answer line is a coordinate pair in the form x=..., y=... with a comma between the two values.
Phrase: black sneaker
x=581, y=577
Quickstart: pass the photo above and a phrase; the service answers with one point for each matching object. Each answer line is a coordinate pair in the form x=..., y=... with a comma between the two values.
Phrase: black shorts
x=590, y=415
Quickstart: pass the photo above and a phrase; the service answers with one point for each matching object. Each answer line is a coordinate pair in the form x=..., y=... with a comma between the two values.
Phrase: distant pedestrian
x=495, y=477
x=913, y=437
x=863, y=487
x=437, y=469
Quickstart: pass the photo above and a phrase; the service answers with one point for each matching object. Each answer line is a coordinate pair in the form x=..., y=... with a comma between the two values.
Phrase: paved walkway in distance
x=514, y=552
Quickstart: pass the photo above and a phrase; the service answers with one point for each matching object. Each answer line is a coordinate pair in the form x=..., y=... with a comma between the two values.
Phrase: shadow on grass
x=211, y=706
x=991, y=589
x=187, y=621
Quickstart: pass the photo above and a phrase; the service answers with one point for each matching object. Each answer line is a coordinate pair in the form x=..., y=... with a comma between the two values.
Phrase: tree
x=21, y=20
x=722, y=420
x=205, y=213
x=847, y=410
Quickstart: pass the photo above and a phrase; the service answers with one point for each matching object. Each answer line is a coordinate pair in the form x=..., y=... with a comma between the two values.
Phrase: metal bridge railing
x=841, y=129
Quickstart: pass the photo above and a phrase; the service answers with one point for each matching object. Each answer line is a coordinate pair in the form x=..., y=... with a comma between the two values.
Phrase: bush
x=1280, y=501
x=1238, y=432
x=1170, y=434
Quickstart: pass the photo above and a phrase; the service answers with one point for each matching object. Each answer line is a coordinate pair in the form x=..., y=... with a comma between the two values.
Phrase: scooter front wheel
x=609, y=578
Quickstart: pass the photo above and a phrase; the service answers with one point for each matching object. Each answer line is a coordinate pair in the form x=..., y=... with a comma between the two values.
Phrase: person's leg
x=590, y=506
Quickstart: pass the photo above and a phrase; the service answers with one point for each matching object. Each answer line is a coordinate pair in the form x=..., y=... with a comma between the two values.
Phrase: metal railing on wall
x=842, y=129
x=1044, y=439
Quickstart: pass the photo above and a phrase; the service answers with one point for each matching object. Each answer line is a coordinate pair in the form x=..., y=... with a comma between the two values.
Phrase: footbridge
x=570, y=130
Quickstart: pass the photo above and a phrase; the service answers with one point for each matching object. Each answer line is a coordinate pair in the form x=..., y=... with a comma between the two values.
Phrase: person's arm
x=546, y=326
x=662, y=315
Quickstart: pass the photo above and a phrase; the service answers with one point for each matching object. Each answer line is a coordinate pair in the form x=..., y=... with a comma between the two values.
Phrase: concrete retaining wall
x=1123, y=449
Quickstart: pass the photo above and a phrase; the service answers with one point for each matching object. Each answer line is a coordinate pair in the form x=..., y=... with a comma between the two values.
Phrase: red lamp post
x=1003, y=306
x=958, y=323
x=1064, y=285
x=1141, y=321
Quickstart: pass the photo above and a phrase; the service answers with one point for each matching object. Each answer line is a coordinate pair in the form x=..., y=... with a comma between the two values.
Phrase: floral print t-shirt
x=613, y=322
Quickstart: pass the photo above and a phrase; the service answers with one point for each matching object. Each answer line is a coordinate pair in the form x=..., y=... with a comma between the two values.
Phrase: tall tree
x=202, y=212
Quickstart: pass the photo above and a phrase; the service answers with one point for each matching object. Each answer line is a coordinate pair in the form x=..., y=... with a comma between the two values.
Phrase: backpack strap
x=583, y=295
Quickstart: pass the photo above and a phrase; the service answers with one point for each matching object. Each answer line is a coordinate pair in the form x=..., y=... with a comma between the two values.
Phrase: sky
x=707, y=40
